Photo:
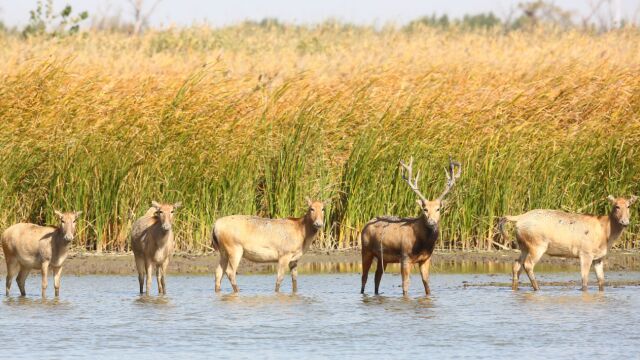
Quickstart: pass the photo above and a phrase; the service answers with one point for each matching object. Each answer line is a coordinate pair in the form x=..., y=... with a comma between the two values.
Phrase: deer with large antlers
x=407, y=241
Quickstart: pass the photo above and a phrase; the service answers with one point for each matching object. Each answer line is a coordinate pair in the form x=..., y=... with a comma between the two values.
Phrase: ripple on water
x=328, y=317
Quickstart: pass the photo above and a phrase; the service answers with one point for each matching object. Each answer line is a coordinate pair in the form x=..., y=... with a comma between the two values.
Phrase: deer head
x=164, y=213
x=620, y=210
x=68, y=223
x=430, y=209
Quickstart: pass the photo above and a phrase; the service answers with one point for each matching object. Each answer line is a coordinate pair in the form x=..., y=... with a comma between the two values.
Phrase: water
x=103, y=317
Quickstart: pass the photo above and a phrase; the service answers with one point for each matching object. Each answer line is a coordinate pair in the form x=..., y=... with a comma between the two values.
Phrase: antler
x=452, y=176
x=407, y=175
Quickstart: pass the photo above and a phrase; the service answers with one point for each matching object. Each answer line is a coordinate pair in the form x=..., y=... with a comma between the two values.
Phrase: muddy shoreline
x=336, y=261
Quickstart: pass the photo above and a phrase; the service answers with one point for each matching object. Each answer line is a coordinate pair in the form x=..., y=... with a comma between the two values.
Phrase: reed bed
x=251, y=119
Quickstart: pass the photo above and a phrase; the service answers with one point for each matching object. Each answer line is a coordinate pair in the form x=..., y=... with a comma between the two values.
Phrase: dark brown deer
x=406, y=241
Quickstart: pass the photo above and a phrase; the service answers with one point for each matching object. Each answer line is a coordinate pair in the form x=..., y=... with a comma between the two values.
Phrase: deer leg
x=45, y=274
x=57, y=271
x=380, y=268
x=405, y=268
x=282, y=265
x=222, y=267
x=293, y=268
x=141, y=271
x=22, y=278
x=424, y=271
x=232, y=267
x=529, y=263
x=165, y=265
x=367, y=260
x=12, y=269
x=598, y=266
x=585, y=265
x=159, y=278
x=517, y=269
x=149, y=266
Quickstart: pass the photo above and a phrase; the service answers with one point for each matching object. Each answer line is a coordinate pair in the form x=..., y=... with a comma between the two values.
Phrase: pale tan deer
x=265, y=240
x=28, y=246
x=406, y=240
x=153, y=243
x=558, y=233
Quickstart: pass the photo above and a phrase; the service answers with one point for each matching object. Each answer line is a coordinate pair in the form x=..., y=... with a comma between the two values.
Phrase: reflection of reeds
x=252, y=120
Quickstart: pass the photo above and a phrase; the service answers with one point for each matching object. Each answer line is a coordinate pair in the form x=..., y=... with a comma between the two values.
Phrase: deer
x=407, y=241
x=152, y=242
x=29, y=246
x=569, y=235
x=265, y=240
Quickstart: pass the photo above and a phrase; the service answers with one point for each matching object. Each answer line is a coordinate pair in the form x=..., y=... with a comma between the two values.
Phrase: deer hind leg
x=22, y=278
x=283, y=262
x=598, y=266
x=220, y=270
x=529, y=263
x=232, y=267
x=380, y=268
x=12, y=268
x=424, y=271
x=141, y=272
x=517, y=268
x=585, y=266
x=367, y=260
x=293, y=268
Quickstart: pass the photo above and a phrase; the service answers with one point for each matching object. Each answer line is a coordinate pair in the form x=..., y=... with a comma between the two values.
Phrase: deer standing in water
x=265, y=240
x=558, y=233
x=407, y=241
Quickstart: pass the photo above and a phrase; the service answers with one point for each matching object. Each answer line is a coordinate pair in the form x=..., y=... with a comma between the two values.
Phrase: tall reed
x=251, y=119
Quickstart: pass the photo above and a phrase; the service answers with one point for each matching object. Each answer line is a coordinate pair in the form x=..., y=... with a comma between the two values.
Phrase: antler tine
x=408, y=177
x=452, y=176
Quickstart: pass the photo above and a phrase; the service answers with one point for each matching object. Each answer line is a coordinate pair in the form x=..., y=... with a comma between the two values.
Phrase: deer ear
x=58, y=214
x=155, y=204
x=443, y=204
x=632, y=199
x=177, y=205
x=419, y=202
x=611, y=199
x=308, y=201
x=77, y=213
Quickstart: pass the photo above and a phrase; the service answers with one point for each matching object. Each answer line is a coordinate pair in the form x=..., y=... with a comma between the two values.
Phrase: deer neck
x=162, y=234
x=424, y=223
x=613, y=229
x=309, y=231
x=58, y=244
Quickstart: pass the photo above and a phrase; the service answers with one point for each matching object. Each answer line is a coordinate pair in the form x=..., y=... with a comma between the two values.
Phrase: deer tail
x=502, y=222
x=214, y=240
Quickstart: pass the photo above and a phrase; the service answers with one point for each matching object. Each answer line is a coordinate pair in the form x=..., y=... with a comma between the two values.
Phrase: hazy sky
x=217, y=13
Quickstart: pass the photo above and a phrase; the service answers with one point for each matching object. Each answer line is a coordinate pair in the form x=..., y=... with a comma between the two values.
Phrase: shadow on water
x=146, y=300
x=35, y=302
x=555, y=298
x=398, y=304
x=255, y=300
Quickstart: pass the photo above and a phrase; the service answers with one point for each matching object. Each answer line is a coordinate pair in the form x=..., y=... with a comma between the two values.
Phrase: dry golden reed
x=250, y=119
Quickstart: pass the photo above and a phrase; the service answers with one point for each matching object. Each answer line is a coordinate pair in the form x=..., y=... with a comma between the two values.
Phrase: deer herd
x=387, y=239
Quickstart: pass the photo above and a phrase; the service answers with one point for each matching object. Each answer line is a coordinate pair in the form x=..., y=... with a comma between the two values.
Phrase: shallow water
x=103, y=317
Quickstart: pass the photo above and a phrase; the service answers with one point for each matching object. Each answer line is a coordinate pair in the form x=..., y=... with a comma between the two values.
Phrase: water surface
x=104, y=317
